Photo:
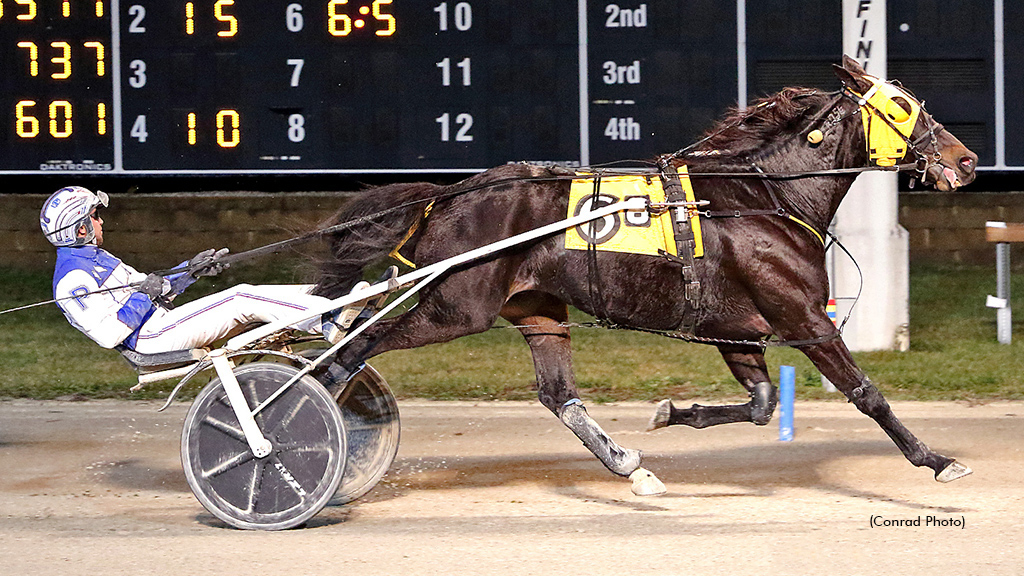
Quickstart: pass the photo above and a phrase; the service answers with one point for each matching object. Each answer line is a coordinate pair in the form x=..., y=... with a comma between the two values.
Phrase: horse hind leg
x=539, y=318
x=621, y=461
x=748, y=367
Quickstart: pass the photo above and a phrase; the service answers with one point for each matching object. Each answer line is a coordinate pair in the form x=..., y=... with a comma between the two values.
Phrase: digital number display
x=310, y=86
x=55, y=85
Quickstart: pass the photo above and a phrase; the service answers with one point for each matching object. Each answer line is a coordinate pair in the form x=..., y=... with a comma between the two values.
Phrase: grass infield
x=953, y=355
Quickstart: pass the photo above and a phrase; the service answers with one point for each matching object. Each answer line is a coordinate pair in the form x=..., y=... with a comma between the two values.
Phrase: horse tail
x=379, y=219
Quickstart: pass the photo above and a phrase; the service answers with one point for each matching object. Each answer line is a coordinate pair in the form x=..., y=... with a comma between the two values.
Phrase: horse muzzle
x=947, y=177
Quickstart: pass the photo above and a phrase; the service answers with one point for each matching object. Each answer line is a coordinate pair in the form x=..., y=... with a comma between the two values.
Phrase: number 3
x=138, y=79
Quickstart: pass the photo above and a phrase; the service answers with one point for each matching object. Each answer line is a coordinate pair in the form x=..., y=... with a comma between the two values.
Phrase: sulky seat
x=145, y=363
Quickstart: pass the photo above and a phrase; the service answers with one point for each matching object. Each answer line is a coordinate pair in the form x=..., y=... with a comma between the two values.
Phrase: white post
x=868, y=220
x=1004, y=320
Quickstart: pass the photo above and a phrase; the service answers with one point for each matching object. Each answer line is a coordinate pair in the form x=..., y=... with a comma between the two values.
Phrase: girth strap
x=685, y=244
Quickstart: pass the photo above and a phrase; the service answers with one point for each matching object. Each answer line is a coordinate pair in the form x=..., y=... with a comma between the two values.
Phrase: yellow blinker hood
x=886, y=146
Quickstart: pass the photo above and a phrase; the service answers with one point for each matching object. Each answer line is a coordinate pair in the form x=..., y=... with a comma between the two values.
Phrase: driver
x=91, y=287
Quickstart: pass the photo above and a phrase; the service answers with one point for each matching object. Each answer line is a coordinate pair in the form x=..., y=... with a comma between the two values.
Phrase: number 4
x=139, y=128
x=297, y=71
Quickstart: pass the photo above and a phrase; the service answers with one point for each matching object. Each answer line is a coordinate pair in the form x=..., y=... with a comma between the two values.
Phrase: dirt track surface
x=502, y=488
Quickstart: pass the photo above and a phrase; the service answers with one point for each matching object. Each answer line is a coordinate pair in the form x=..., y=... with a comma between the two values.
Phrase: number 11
x=446, y=71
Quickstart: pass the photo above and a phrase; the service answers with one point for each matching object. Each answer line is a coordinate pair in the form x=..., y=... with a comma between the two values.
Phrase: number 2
x=136, y=26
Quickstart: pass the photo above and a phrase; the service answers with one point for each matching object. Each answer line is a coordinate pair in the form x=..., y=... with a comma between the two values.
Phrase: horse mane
x=761, y=123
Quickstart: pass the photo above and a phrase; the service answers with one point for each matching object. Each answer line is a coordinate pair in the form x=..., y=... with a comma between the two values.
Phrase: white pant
x=203, y=321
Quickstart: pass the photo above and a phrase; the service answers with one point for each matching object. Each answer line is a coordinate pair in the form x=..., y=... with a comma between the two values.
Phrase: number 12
x=465, y=121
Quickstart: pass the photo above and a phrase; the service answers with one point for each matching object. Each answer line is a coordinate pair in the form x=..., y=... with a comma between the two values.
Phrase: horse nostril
x=967, y=163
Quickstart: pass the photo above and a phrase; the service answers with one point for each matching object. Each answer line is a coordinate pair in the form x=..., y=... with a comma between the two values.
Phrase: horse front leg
x=834, y=361
x=748, y=367
x=552, y=358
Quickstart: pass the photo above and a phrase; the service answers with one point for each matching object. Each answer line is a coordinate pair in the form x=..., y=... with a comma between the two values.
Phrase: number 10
x=228, y=128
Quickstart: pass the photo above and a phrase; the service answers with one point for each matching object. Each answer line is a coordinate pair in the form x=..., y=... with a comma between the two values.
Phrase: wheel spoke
x=224, y=427
x=255, y=401
x=230, y=464
x=222, y=399
x=255, y=483
x=289, y=416
x=304, y=447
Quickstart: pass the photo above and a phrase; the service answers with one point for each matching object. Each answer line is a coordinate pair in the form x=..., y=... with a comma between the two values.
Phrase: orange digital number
x=190, y=15
x=60, y=108
x=63, y=61
x=101, y=66
x=232, y=22
x=334, y=19
x=101, y=119
x=33, y=57
x=383, y=17
x=228, y=133
x=30, y=13
x=25, y=125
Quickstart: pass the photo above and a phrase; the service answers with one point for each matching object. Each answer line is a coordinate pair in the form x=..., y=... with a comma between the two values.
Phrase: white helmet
x=65, y=211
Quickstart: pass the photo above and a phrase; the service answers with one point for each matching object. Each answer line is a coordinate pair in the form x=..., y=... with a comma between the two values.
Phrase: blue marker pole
x=787, y=393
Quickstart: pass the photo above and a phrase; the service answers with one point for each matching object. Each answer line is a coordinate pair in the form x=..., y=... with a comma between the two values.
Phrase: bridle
x=881, y=95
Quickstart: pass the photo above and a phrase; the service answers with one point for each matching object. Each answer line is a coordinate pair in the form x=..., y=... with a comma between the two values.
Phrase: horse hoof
x=661, y=415
x=645, y=483
x=952, y=472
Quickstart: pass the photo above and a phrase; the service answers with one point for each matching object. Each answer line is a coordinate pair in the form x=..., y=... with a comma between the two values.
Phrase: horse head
x=897, y=129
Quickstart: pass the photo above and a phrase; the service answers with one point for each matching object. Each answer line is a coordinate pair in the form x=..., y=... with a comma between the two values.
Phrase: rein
x=919, y=167
x=275, y=247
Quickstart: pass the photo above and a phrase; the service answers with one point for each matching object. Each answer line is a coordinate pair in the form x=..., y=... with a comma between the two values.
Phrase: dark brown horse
x=763, y=274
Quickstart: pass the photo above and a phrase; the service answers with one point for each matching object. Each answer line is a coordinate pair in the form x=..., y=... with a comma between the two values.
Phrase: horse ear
x=852, y=75
x=853, y=66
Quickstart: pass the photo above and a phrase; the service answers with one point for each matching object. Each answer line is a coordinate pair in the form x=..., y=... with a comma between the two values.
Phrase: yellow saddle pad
x=633, y=232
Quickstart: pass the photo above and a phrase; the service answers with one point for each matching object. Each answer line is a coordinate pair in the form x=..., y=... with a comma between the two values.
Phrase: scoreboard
x=239, y=87
x=320, y=86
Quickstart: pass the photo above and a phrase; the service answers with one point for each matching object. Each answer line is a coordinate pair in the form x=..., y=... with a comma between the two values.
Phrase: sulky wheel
x=300, y=475
x=372, y=426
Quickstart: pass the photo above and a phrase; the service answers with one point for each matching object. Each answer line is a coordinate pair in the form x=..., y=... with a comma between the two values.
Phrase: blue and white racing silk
x=91, y=287
x=111, y=317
